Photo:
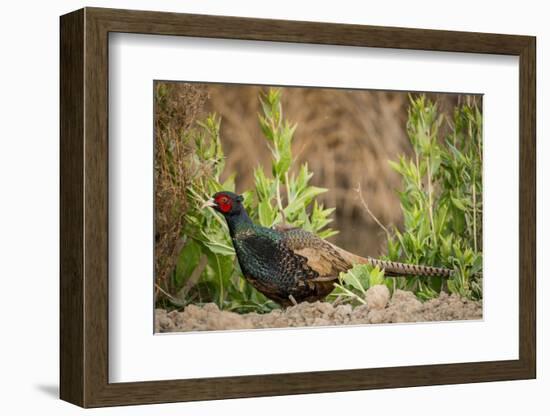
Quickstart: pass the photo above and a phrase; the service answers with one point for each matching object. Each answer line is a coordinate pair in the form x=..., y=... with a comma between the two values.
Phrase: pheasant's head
x=226, y=202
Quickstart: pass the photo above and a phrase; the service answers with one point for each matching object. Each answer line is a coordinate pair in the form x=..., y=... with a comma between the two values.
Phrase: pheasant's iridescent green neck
x=239, y=222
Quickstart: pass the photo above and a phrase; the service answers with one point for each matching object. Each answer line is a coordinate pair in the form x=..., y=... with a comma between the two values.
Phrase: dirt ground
x=402, y=307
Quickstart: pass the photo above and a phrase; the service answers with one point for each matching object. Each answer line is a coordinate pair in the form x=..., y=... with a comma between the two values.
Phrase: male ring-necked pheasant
x=290, y=265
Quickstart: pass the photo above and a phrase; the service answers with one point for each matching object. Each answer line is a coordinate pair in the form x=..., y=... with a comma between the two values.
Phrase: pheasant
x=290, y=265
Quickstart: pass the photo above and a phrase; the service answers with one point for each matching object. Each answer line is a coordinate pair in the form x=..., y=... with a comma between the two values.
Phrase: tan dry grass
x=177, y=107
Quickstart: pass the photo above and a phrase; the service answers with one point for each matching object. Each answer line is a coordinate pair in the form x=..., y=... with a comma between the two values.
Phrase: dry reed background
x=347, y=138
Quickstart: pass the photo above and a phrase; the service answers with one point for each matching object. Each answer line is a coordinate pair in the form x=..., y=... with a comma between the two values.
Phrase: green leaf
x=283, y=164
x=266, y=213
x=264, y=186
x=188, y=259
x=396, y=166
x=458, y=203
x=219, y=248
x=304, y=198
x=302, y=180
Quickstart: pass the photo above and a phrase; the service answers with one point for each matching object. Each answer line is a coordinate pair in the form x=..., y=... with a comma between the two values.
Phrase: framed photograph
x=255, y=207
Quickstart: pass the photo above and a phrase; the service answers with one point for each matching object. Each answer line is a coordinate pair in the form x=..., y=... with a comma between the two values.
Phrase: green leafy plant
x=441, y=200
x=442, y=207
x=352, y=286
x=207, y=270
x=273, y=205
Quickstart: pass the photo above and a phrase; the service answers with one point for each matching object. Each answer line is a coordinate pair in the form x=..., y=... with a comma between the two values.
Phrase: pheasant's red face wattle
x=224, y=203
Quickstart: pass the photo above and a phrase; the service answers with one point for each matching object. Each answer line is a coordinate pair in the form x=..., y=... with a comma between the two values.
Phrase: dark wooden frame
x=84, y=208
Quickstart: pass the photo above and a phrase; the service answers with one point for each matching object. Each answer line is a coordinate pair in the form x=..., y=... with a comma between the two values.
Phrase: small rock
x=377, y=297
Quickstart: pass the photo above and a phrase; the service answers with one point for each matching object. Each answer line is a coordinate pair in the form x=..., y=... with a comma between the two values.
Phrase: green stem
x=351, y=294
x=277, y=180
x=220, y=301
x=289, y=198
x=279, y=200
x=418, y=171
x=475, y=213
x=430, y=201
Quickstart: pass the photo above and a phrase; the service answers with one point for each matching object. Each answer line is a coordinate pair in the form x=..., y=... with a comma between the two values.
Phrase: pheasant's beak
x=209, y=203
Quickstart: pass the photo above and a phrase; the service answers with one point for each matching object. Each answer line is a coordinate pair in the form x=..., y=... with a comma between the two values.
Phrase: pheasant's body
x=271, y=262
x=292, y=265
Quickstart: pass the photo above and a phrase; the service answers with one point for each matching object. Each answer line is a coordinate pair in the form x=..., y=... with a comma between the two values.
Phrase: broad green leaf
x=188, y=259
x=220, y=248
x=265, y=213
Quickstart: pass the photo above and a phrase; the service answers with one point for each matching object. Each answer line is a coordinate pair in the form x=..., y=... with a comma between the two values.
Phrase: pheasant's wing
x=329, y=260
x=323, y=257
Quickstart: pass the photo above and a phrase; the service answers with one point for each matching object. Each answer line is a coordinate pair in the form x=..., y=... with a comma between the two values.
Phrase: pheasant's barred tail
x=393, y=268
x=399, y=269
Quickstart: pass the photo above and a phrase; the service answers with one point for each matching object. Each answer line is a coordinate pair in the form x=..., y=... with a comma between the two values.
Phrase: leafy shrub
x=442, y=206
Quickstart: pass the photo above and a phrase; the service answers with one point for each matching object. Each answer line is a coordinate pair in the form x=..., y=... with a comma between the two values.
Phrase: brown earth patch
x=402, y=307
